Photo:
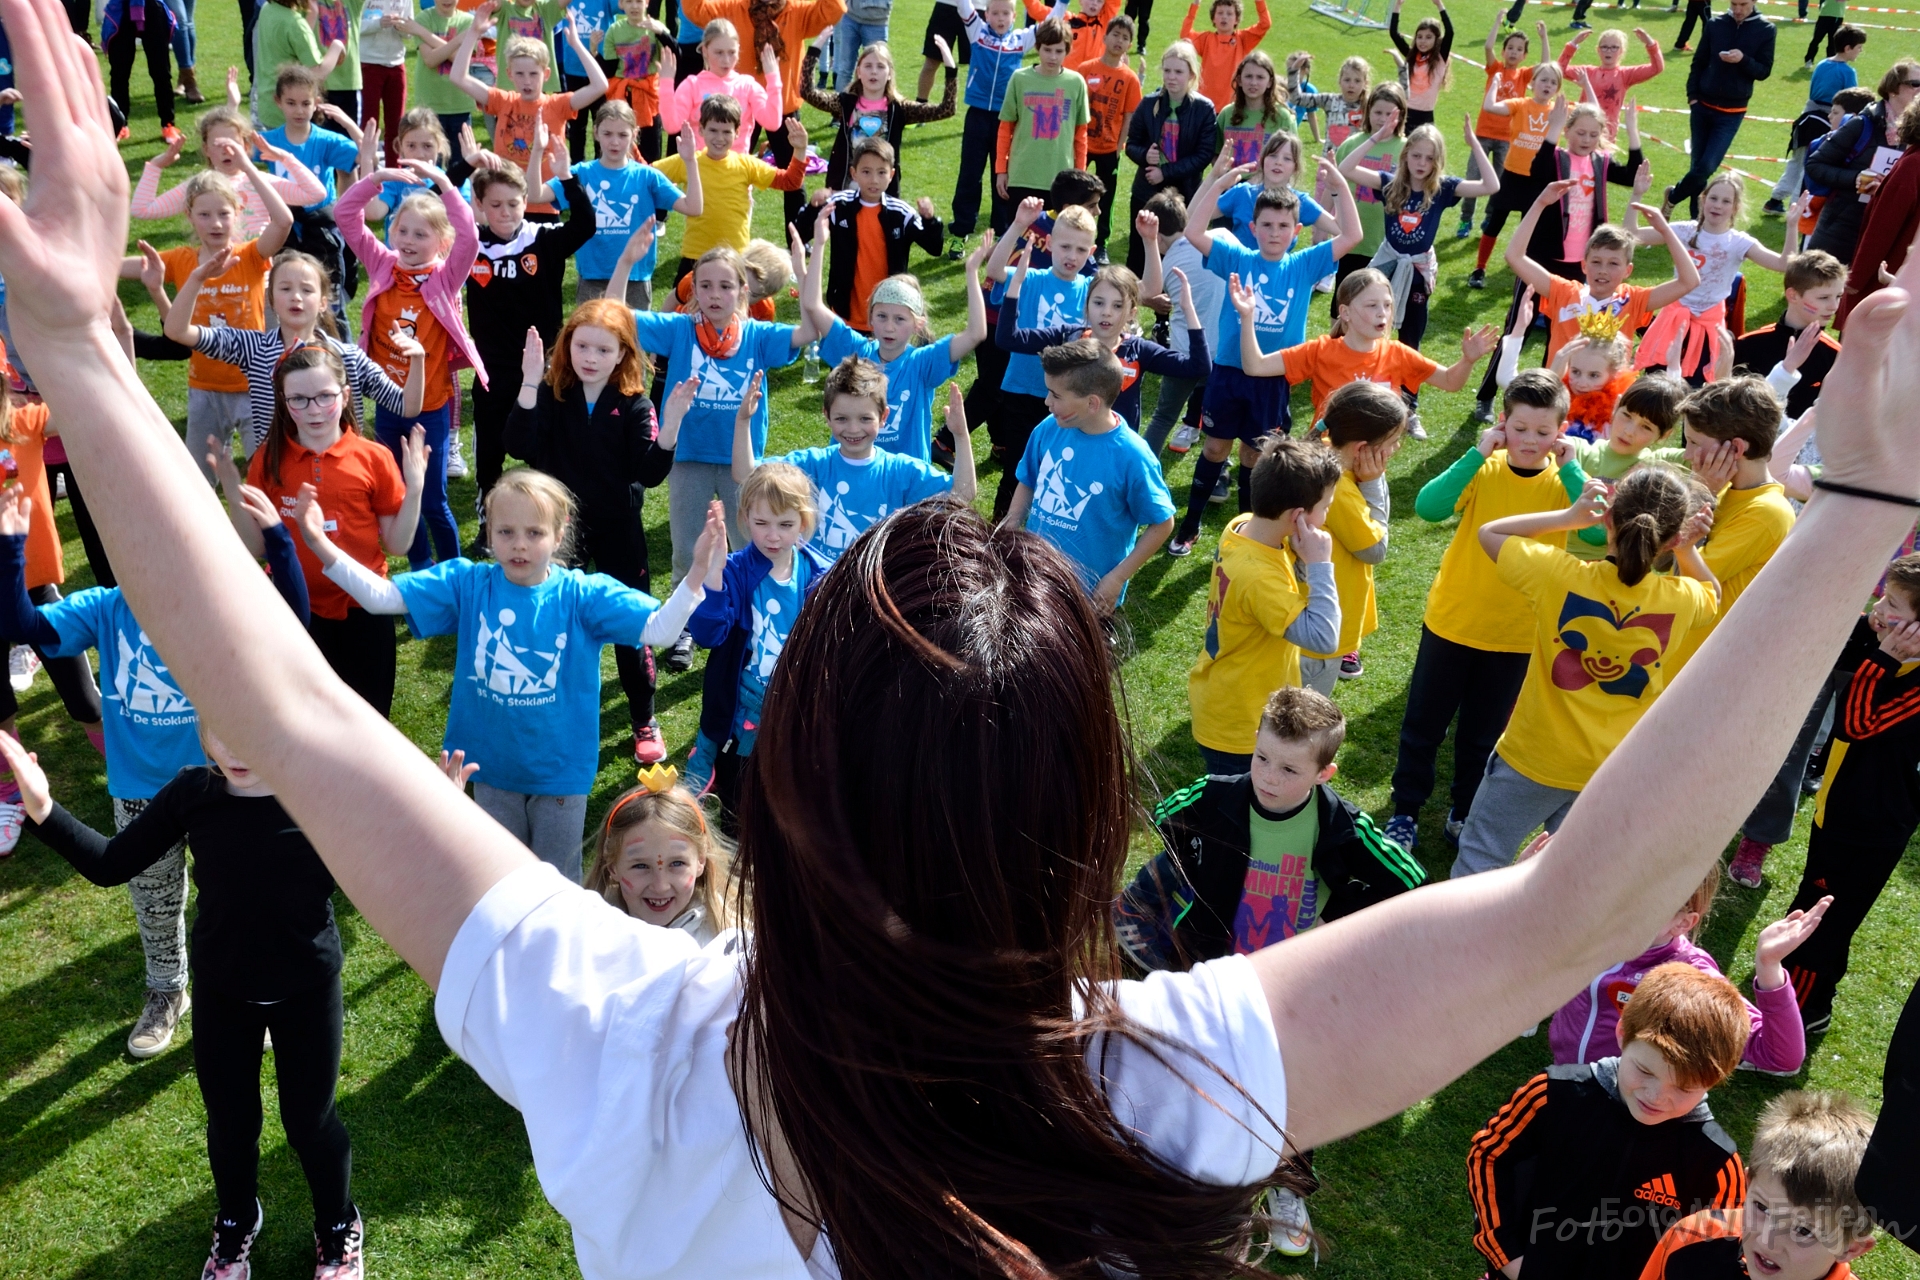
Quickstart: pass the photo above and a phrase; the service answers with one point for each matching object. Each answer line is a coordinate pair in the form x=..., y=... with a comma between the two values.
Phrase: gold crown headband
x=1599, y=327
x=655, y=780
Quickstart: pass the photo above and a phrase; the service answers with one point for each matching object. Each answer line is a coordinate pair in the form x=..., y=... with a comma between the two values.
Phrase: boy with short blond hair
x=519, y=112
x=1802, y=1220
x=1586, y=1166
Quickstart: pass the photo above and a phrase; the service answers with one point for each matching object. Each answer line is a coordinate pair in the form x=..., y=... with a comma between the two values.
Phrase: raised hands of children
x=1580, y=37
x=710, y=548
x=749, y=400
x=977, y=257
x=641, y=240
x=1222, y=163
x=1176, y=276
x=1642, y=181
x=233, y=86
x=925, y=207
x=1147, y=223
x=1723, y=353
x=16, y=512
x=483, y=13
x=796, y=135
x=308, y=518
x=1242, y=298
x=404, y=343
x=668, y=65
x=425, y=173
x=533, y=358
x=1567, y=448
x=689, y=145
x=1591, y=505
x=822, y=227
x=335, y=114
x=35, y=795
x=1523, y=315
x=220, y=462
x=679, y=401
x=1466, y=118
x=1780, y=939
x=270, y=153
x=1655, y=219
x=213, y=267
x=1311, y=543
x=1586, y=85
x=1640, y=34
x=1695, y=528
x=393, y=173
x=1476, y=343
x=1800, y=348
x=1715, y=462
x=1901, y=641
x=1554, y=192
x=957, y=412
x=1494, y=437
x=153, y=271
x=945, y=50
x=259, y=507
x=413, y=458
x=769, y=60
x=166, y=157
x=454, y=765
x=1385, y=131
x=1564, y=356
x=1028, y=213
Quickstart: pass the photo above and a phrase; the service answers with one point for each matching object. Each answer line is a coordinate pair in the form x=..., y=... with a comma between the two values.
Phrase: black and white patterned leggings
x=160, y=907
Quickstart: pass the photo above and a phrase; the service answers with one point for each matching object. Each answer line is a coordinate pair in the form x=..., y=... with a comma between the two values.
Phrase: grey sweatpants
x=159, y=907
x=690, y=486
x=1506, y=809
x=1167, y=410
x=1319, y=674
x=554, y=827
x=639, y=292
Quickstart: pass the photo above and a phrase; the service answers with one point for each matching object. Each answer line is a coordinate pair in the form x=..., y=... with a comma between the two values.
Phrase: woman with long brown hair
x=915, y=1063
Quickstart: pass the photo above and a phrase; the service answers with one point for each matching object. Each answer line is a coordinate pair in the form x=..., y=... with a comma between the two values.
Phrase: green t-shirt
x=1281, y=895
x=1373, y=214
x=533, y=22
x=340, y=20
x=1045, y=112
x=432, y=87
x=1833, y=8
x=632, y=49
x=1601, y=462
x=280, y=36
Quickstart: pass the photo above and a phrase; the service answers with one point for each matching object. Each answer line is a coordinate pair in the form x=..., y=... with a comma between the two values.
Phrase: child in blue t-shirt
x=1058, y=297
x=748, y=612
x=897, y=314
x=625, y=193
x=1276, y=168
x=1087, y=483
x=1240, y=406
x=525, y=703
x=297, y=93
x=856, y=484
x=720, y=349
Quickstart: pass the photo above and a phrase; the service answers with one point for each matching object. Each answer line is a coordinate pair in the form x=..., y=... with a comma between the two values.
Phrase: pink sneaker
x=648, y=746
x=1748, y=861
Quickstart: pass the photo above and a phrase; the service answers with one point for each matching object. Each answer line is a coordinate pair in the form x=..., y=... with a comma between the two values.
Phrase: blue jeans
x=1225, y=764
x=436, y=517
x=849, y=38
x=1713, y=134
x=184, y=39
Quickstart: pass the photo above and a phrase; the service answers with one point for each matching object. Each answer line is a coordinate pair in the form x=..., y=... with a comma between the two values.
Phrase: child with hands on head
x=529, y=632
x=855, y=483
x=226, y=123
x=584, y=419
x=1600, y=631
x=659, y=860
x=720, y=55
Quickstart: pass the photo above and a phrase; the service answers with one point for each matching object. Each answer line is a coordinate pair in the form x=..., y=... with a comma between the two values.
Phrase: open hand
x=1778, y=941
x=35, y=795
x=533, y=358
x=1243, y=298
x=308, y=518
x=413, y=458
x=710, y=548
x=16, y=511
x=259, y=507
x=455, y=766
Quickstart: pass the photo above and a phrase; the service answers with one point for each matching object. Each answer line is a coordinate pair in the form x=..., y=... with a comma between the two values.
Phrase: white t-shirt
x=609, y=1036
x=1209, y=293
x=1718, y=254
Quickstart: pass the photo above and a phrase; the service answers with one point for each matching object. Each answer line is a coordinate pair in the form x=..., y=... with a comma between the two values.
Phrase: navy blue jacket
x=723, y=622
x=1730, y=84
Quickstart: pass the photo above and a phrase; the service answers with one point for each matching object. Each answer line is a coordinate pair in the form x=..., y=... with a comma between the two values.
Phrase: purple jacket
x=1583, y=1029
x=441, y=292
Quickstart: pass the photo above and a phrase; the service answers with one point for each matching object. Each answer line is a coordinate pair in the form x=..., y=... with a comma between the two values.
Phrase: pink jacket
x=1583, y=1029
x=302, y=188
x=758, y=105
x=442, y=290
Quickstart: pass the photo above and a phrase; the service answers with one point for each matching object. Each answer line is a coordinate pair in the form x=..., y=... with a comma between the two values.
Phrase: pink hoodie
x=758, y=105
x=441, y=292
x=1583, y=1029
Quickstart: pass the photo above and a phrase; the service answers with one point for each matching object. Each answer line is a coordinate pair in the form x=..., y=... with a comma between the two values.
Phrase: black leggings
x=72, y=677
x=1449, y=679
x=362, y=650
x=154, y=39
x=1141, y=11
x=83, y=520
x=227, y=1036
x=490, y=409
x=1823, y=28
x=1854, y=869
x=1106, y=167
x=616, y=543
x=1697, y=11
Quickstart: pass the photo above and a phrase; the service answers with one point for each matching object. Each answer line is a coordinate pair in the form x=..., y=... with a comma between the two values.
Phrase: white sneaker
x=12, y=818
x=1290, y=1232
x=1323, y=285
x=456, y=465
x=1185, y=436
x=22, y=666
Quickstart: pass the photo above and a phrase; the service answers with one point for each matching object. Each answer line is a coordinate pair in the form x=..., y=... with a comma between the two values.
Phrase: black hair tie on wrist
x=1872, y=495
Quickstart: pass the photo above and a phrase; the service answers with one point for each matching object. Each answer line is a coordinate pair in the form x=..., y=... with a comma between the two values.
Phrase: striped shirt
x=258, y=352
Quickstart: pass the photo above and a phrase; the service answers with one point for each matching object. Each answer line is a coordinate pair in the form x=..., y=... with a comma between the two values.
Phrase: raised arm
x=461, y=75
x=1529, y=271
x=1345, y=208
x=1686, y=274
x=273, y=237
x=596, y=85
x=1488, y=183
x=962, y=344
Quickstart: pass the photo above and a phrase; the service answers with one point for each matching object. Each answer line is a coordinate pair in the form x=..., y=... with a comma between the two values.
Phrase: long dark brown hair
x=283, y=431
x=931, y=832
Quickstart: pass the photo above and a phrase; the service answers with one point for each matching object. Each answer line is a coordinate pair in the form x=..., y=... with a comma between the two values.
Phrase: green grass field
x=102, y=1161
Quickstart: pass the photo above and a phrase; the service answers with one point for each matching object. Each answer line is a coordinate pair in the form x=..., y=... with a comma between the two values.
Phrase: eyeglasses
x=325, y=400
x=1912, y=84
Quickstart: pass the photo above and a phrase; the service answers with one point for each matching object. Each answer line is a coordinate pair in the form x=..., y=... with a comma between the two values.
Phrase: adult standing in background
x=865, y=23
x=184, y=43
x=1892, y=218
x=1171, y=140
x=1736, y=52
x=1849, y=163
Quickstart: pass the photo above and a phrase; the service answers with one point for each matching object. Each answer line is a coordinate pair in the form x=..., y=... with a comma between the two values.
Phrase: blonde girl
x=1425, y=65
x=659, y=860
x=871, y=107
x=1609, y=82
x=1347, y=109
x=530, y=631
x=414, y=288
x=1719, y=248
x=301, y=187
x=1257, y=112
x=421, y=138
x=720, y=47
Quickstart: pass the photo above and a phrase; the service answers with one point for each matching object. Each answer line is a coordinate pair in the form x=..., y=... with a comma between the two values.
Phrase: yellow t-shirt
x=726, y=188
x=1468, y=604
x=1245, y=654
x=1351, y=524
x=1600, y=652
x=1748, y=527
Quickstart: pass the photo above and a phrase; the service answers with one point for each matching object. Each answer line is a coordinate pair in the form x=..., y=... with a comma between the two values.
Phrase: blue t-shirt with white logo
x=1091, y=493
x=706, y=435
x=851, y=497
x=1045, y=301
x=1236, y=202
x=526, y=679
x=590, y=18
x=776, y=606
x=914, y=377
x=152, y=732
x=622, y=199
x=323, y=152
x=1283, y=294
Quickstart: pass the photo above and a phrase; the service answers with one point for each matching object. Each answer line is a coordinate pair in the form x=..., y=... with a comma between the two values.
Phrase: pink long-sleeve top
x=758, y=104
x=1583, y=1029
x=300, y=189
x=1610, y=84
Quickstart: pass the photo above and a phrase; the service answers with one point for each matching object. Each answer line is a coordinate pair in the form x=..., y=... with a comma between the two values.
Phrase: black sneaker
x=1819, y=1025
x=1774, y=206
x=232, y=1247
x=480, y=548
x=680, y=656
x=1483, y=411
x=1478, y=279
x=1180, y=545
x=336, y=1251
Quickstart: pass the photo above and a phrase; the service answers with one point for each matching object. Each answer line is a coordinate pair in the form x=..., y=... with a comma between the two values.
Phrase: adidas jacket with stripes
x=1179, y=909
x=1565, y=1178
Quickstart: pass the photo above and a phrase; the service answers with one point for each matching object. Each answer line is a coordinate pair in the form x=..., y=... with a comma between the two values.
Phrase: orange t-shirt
x=358, y=482
x=1112, y=94
x=235, y=299
x=1568, y=300
x=28, y=427
x=1516, y=83
x=403, y=305
x=1529, y=131
x=515, y=126
x=1329, y=363
x=870, y=268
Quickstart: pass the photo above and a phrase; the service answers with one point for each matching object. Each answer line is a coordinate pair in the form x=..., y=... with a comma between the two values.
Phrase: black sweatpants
x=1697, y=11
x=72, y=677
x=83, y=520
x=983, y=397
x=227, y=1048
x=1489, y=384
x=1823, y=27
x=1106, y=167
x=362, y=650
x=1854, y=869
x=154, y=39
x=1013, y=424
x=490, y=409
x=1449, y=680
x=616, y=544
